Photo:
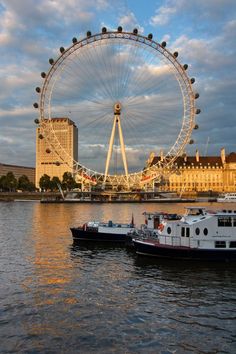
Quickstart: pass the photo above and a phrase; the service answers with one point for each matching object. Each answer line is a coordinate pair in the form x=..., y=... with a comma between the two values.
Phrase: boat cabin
x=199, y=228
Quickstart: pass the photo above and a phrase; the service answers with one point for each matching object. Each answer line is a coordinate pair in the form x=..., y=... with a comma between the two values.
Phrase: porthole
x=169, y=230
x=197, y=231
x=205, y=231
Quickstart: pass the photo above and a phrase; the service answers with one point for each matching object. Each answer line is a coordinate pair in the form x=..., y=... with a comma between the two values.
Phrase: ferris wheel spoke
x=139, y=76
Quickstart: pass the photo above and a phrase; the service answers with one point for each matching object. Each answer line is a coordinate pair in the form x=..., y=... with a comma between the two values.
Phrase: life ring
x=160, y=227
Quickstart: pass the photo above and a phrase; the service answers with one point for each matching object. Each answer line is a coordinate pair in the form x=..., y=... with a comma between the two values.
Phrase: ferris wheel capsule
x=176, y=54
x=36, y=105
x=198, y=111
x=185, y=66
x=192, y=80
x=74, y=40
x=51, y=61
x=163, y=44
x=43, y=75
x=38, y=89
x=89, y=34
x=62, y=49
x=150, y=36
x=119, y=29
x=104, y=29
x=196, y=95
x=36, y=121
x=135, y=31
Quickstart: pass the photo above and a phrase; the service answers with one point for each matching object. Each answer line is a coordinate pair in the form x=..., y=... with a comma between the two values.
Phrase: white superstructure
x=197, y=228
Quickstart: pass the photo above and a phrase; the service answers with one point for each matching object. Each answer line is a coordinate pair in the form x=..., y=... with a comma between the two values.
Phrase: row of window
x=226, y=221
x=222, y=244
x=185, y=232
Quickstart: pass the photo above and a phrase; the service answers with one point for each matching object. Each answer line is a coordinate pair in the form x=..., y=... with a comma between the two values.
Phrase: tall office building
x=48, y=161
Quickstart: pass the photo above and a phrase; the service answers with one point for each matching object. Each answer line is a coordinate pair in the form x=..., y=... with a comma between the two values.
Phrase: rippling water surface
x=58, y=298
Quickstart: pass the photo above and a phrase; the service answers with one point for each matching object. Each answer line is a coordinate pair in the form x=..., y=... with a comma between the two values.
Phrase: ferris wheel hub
x=117, y=108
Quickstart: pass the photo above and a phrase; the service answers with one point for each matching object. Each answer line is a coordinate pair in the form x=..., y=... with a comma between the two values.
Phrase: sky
x=203, y=32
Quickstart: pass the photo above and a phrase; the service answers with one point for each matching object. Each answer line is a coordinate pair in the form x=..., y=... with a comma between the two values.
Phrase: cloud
x=129, y=22
x=163, y=15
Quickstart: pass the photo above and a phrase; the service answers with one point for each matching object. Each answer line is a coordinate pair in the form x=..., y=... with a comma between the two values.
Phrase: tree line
x=9, y=183
x=51, y=184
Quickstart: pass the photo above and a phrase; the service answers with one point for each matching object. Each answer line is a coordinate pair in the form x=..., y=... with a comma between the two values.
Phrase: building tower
x=47, y=161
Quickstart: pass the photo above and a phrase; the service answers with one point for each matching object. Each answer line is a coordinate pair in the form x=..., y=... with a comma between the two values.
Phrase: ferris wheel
x=129, y=96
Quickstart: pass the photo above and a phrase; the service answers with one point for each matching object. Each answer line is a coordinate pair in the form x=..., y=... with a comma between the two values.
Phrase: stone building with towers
x=200, y=173
x=48, y=160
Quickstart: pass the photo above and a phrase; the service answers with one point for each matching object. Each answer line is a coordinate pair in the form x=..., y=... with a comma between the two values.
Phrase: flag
x=132, y=220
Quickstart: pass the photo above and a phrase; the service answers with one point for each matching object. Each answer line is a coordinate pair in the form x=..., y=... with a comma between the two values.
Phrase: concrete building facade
x=18, y=171
x=49, y=161
x=201, y=173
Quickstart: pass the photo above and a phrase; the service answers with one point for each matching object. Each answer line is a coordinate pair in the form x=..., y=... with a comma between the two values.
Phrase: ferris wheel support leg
x=110, y=148
x=122, y=145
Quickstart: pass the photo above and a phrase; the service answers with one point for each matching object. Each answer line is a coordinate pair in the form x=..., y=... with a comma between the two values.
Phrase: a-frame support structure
x=116, y=123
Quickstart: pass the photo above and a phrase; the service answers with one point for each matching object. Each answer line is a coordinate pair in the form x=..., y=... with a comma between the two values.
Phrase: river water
x=58, y=298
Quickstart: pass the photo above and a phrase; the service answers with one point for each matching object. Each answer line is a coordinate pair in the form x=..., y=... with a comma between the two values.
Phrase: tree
x=11, y=182
x=3, y=183
x=54, y=183
x=68, y=181
x=24, y=184
x=44, y=182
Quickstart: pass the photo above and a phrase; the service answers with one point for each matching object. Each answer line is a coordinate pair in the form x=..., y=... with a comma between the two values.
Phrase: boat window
x=187, y=232
x=195, y=211
x=197, y=231
x=169, y=230
x=232, y=244
x=182, y=231
x=224, y=221
x=220, y=244
x=205, y=231
x=234, y=220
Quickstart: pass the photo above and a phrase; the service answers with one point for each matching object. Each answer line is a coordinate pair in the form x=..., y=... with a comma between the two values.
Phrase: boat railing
x=175, y=240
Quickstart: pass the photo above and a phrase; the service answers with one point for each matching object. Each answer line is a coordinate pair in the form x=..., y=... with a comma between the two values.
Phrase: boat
x=198, y=235
x=96, y=231
x=227, y=198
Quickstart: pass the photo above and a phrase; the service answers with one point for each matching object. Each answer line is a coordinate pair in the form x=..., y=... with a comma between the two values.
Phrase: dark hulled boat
x=95, y=231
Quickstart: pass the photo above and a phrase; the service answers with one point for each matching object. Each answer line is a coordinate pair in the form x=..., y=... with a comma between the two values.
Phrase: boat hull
x=80, y=235
x=155, y=249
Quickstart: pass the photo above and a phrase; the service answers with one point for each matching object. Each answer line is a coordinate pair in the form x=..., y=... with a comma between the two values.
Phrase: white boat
x=96, y=231
x=227, y=198
x=199, y=234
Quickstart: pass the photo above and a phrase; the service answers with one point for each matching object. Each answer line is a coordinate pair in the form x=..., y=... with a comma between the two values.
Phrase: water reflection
x=58, y=297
